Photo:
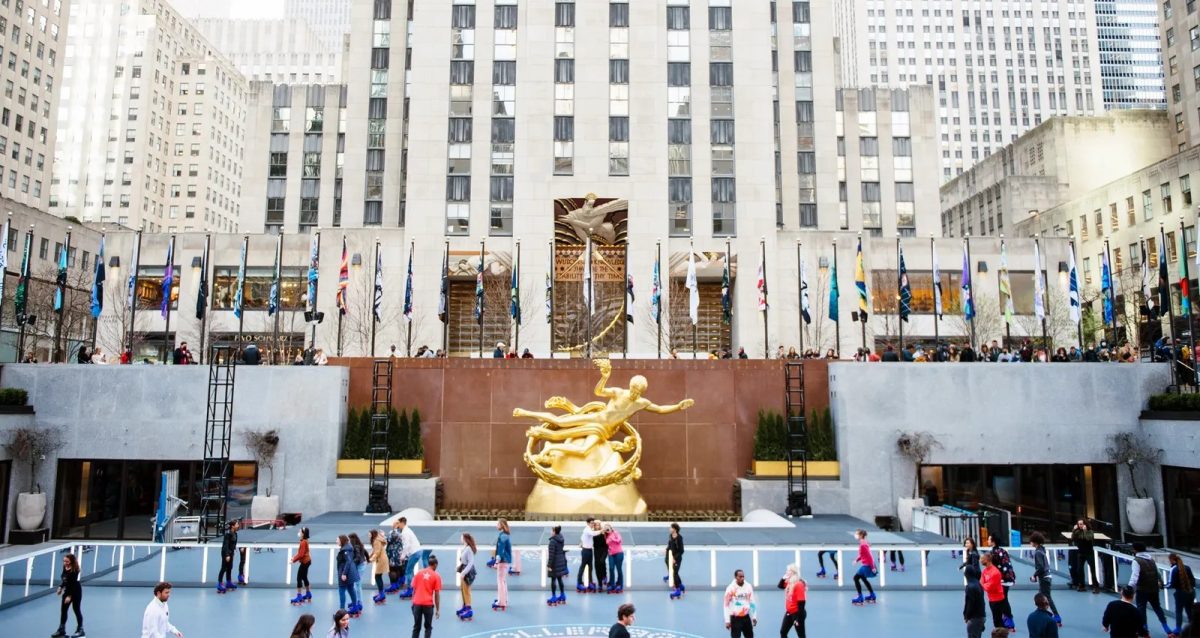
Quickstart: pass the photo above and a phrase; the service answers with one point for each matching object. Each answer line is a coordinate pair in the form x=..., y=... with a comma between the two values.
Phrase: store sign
x=284, y=338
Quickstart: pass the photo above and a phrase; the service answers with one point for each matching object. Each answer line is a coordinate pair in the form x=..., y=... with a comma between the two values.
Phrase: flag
x=937, y=286
x=378, y=300
x=1164, y=280
x=1106, y=287
x=726, y=301
x=968, y=304
x=444, y=295
x=168, y=282
x=550, y=286
x=762, y=284
x=834, y=295
x=1073, y=286
x=479, y=290
x=202, y=293
x=133, y=272
x=408, y=286
x=1005, y=285
x=97, y=279
x=240, y=289
x=589, y=292
x=1185, y=297
x=656, y=294
x=1146, y=294
x=804, y=293
x=273, y=297
x=514, y=292
x=314, y=262
x=905, y=290
x=1039, y=290
x=60, y=280
x=4, y=255
x=860, y=282
x=343, y=280
x=693, y=288
x=629, y=298
x=22, y=295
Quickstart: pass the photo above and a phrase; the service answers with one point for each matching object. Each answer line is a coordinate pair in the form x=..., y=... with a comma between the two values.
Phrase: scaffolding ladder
x=797, y=448
x=381, y=403
x=218, y=435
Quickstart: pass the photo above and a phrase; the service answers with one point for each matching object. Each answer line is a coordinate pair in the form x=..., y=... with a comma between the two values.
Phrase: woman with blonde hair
x=795, y=594
x=503, y=556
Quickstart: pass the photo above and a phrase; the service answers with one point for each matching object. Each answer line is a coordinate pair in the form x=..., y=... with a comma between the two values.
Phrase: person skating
x=1147, y=584
x=970, y=553
x=1182, y=583
x=304, y=559
x=616, y=560
x=974, y=613
x=585, y=559
x=427, y=598
x=379, y=563
x=992, y=581
x=347, y=574
x=1041, y=622
x=795, y=595
x=395, y=553
x=600, y=556
x=1008, y=576
x=156, y=619
x=466, y=567
x=228, y=549
x=1041, y=573
x=821, y=562
x=866, y=570
x=303, y=626
x=620, y=629
x=556, y=567
x=674, y=558
x=413, y=555
x=71, y=592
x=360, y=556
x=1121, y=617
x=741, y=610
x=341, y=625
x=503, y=556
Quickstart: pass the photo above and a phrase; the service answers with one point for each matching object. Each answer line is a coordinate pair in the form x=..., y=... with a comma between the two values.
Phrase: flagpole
x=625, y=284
x=241, y=284
x=800, y=297
x=1162, y=235
x=727, y=280
x=1040, y=266
x=762, y=243
x=1000, y=293
x=96, y=319
x=204, y=281
x=899, y=293
x=315, y=290
x=1112, y=298
x=137, y=264
x=1187, y=278
x=343, y=306
x=374, y=318
x=837, y=323
x=658, y=318
x=517, y=319
x=481, y=300
x=1078, y=322
x=170, y=272
x=412, y=246
x=862, y=314
x=695, y=334
x=970, y=290
x=23, y=313
x=589, y=293
x=936, y=279
x=4, y=278
x=446, y=293
x=550, y=294
x=278, y=297
x=59, y=346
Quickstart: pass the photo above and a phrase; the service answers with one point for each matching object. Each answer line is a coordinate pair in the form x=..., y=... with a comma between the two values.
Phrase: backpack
x=395, y=546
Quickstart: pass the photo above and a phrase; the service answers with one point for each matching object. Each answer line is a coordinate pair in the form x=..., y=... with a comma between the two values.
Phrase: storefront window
x=1181, y=491
x=149, y=288
x=885, y=288
x=293, y=286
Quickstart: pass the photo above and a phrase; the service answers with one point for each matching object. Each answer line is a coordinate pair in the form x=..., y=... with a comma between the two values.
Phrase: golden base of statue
x=580, y=468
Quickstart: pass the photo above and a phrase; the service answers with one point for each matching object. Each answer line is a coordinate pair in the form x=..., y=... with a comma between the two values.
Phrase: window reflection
x=257, y=292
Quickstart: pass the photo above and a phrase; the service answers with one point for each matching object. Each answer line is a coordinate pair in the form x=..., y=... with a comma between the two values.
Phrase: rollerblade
x=241, y=580
x=307, y=597
x=676, y=593
x=821, y=574
x=870, y=599
x=221, y=588
x=496, y=606
x=857, y=601
x=61, y=633
x=406, y=594
x=1058, y=620
x=230, y=586
x=467, y=614
x=298, y=600
x=379, y=599
x=393, y=588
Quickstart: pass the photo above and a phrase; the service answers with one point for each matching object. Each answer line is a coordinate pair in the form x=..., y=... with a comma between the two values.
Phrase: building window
x=1147, y=209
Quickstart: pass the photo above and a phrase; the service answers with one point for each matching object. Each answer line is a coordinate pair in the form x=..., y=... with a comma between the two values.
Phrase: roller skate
x=406, y=594
x=821, y=573
x=230, y=586
x=355, y=610
x=298, y=600
x=562, y=599
x=241, y=580
x=1058, y=620
x=618, y=590
x=666, y=579
x=379, y=599
x=580, y=589
x=512, y=572
x=857, y=601
x=79, y=633
x=1008, y=623
x=467, y=614
x=870, y=599
x=393, y=588
x=61, y=633
x=307, y=597
x=496, y=606
x=676, y=593
x=552, y=601
x=893, y=566
x=492, y=563
x=591, y=588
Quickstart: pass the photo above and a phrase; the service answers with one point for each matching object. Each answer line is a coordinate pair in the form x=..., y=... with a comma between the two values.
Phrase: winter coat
x=379, y=554
x=556, y=564
x=346, y=566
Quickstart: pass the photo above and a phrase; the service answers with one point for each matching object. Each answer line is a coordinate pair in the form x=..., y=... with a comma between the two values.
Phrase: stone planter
x=904, y=511
x=1141, y=515
x=778, y=469
x=264, y=508
x=396, y=467
x=31, y=510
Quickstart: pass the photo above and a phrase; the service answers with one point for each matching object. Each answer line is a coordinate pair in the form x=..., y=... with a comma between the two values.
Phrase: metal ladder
x=797, y=449
x=218, y=435
x=381, y=402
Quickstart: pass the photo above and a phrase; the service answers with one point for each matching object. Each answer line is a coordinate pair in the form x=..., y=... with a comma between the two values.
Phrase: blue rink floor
x=115, y=612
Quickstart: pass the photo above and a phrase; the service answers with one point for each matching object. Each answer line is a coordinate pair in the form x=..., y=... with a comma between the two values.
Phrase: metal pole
x=133, y=303
x=625, y=299
x=4, y=281
x=412, y=246
x=658, y=265
x=1041, y=272
x=1079, y=322
x=167, y=300
x=204, y=278
x=799, y=298
x=837, y=324
x=1170, y=301
x=899, y=301
x=242, y=288
x=936, y=282
x=517, y=319
x=762, y=243
x=482, y=301
x=999, y=295
x=59, y=346
x=589, y=292
x=374, y=278
x=279, y=292
x=23, y=316
x=1188, y=278
x=971, y=290
x=316, y=289
x=552, y=275
x=695, y=339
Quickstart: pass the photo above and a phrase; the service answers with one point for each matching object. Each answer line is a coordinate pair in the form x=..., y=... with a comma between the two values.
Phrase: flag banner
x=656, y=294
x=1106, y=287
x=4, y=255
x=1185, y=295
x=726, y=300
x=1005, y=285
x=804, y=293
x=343, y=280
x=133, y=271
x=514, y=293
x=761, y=284
x=377, y=302
x=1073, y=287
x=1039, y=289
x=273, y=296
x=860, y=282
x=408, y=286
x=589, y=291
x=905, y=290
x=1151, y=306
x=97, y=278
x=168, y=283
x=314, y=259
x=968, y=304
x=239, y=290
x=550, y=286
x=479, y=290
x=937, y=286
x=60, y=280
x=21, y=297
x=693, y=288
x=1164, y=279
x=834, y=294
x=202, y=293
x=629, y=298
x=444, y=295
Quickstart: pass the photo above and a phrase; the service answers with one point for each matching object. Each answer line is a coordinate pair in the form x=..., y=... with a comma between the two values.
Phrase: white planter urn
x=1141, y=514
x=904, y=512
x=31, y=510
x=264, y=508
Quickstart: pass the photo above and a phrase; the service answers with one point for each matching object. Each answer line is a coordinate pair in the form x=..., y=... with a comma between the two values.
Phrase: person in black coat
x=556, y=566
x=600, y=558
x=228, y=549
x=1122, y=618
x=674, y=558
x=974, y=609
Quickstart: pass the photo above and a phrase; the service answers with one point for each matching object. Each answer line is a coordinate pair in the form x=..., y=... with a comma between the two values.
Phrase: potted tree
x=32, y=446
x=263, y=445
x=915, y=447
x=1130, y=450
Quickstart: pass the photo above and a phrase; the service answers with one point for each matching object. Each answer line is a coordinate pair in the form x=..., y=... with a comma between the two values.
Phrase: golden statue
x=580, y=469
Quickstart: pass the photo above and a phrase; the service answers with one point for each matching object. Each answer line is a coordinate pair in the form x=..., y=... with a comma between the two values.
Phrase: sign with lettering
x=576, y=631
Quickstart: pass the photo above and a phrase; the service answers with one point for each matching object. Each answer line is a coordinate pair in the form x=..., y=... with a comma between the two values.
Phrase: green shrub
x=770, y=439
x=822, y=441
x=404, y=435
x=13, y=396
x=1175, y=402
x=415, y=450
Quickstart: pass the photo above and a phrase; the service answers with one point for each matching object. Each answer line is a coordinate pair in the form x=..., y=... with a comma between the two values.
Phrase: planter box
x=362, y=467
x=778, y=469
x=16, y=409
x=1173, y=415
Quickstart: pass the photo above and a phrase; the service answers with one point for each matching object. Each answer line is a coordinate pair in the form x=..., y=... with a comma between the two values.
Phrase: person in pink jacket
x=616, y=560
x=866, y=569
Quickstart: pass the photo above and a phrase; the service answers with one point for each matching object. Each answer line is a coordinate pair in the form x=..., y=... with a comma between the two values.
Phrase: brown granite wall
x=691, y=458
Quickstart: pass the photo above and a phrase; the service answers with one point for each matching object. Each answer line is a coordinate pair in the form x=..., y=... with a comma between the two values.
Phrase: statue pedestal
x=608, y=500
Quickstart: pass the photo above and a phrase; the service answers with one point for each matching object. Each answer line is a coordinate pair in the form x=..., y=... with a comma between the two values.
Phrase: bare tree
x=821, y=331
x=989, y=322
x=76, y=312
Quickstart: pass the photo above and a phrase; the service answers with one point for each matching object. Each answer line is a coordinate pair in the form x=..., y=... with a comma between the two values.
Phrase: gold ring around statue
x=627, y=472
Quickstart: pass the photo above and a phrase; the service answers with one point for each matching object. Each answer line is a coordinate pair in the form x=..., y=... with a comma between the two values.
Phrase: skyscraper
x=329, y=19
x=1131, y=64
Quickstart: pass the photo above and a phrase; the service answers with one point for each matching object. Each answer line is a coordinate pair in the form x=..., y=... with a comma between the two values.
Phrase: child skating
x=304, y=559
x=866, y=570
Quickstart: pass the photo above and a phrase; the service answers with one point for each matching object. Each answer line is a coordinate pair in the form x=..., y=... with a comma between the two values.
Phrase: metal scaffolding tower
x=797, y=450
x=381, y=403
x=218, y=435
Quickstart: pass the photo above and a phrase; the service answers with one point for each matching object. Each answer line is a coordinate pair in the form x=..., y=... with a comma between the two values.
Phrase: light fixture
x=114, y=261
x=356, y=259
x=1062, y=266
x=196, y=262
x=981, y=266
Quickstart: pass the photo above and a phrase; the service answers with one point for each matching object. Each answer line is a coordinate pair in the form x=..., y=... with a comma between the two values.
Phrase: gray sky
x=258, y=9
x=246, y=9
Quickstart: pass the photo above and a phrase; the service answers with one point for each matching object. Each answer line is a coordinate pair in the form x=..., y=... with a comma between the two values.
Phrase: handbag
x=469, y=577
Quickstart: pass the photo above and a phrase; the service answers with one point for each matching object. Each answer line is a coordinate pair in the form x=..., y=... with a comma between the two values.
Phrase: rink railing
x=36, y=573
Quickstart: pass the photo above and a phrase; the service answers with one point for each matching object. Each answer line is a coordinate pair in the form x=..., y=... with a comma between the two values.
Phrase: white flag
x=693, y=289
x=1073, y=287
x=1039, y=291
x=804, y=311
x=589, y=300
x=937, y=287
x=550, y=286
x=1150, y=298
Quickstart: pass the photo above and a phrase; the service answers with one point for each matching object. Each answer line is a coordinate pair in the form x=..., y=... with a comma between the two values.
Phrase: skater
x=503, y=556
x=624, y=620
x=970, y=553
x=795, y=594
x=1183, y=582
x=241, y=564
x=1147, y=584
x=585, y=559
x=362, y=565
x=866, y=570
x=466, y=567
x=556, y=567
x=1041, y=623
x=997, y=596
x=893, y=555
x=347, y=574
x=1000, y=559
x=1084, y=541
x=303, y=587
x=427, y=598
x=379, y=562
x=821, y=562
x=303, y=627
x=1041, y=573
x=72, y=594
x=674, y=559
x=974, y=613
x=156, y=619
x=741, y=610
x=228, y=549
x=600, y=556
x=1121, y=618
x=412, y=553
x=341, y=625
x=395, y=552
x=616, y=560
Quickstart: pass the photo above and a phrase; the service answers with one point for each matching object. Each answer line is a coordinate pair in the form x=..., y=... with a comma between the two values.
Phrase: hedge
x=1175, y=402
x=771, y=437
x=404, y=435
x=13, y=396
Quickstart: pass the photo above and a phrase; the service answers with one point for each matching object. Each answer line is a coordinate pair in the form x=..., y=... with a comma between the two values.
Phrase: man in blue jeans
x=411, y=552
x=586, y=544
x=1147, y=585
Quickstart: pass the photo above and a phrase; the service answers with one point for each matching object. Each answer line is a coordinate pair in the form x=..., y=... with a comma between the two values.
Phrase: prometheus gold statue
x=580, y=468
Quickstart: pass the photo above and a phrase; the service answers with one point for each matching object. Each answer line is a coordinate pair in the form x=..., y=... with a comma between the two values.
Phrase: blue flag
x=834, y=295
x=239, y=290
x=98, y=282
x=408, y=287
x=168, y=283
x=1106, y=288
x=905, y=290
x=479, y=291
x=968, y=304
x=60, y=290
x=514, y=291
